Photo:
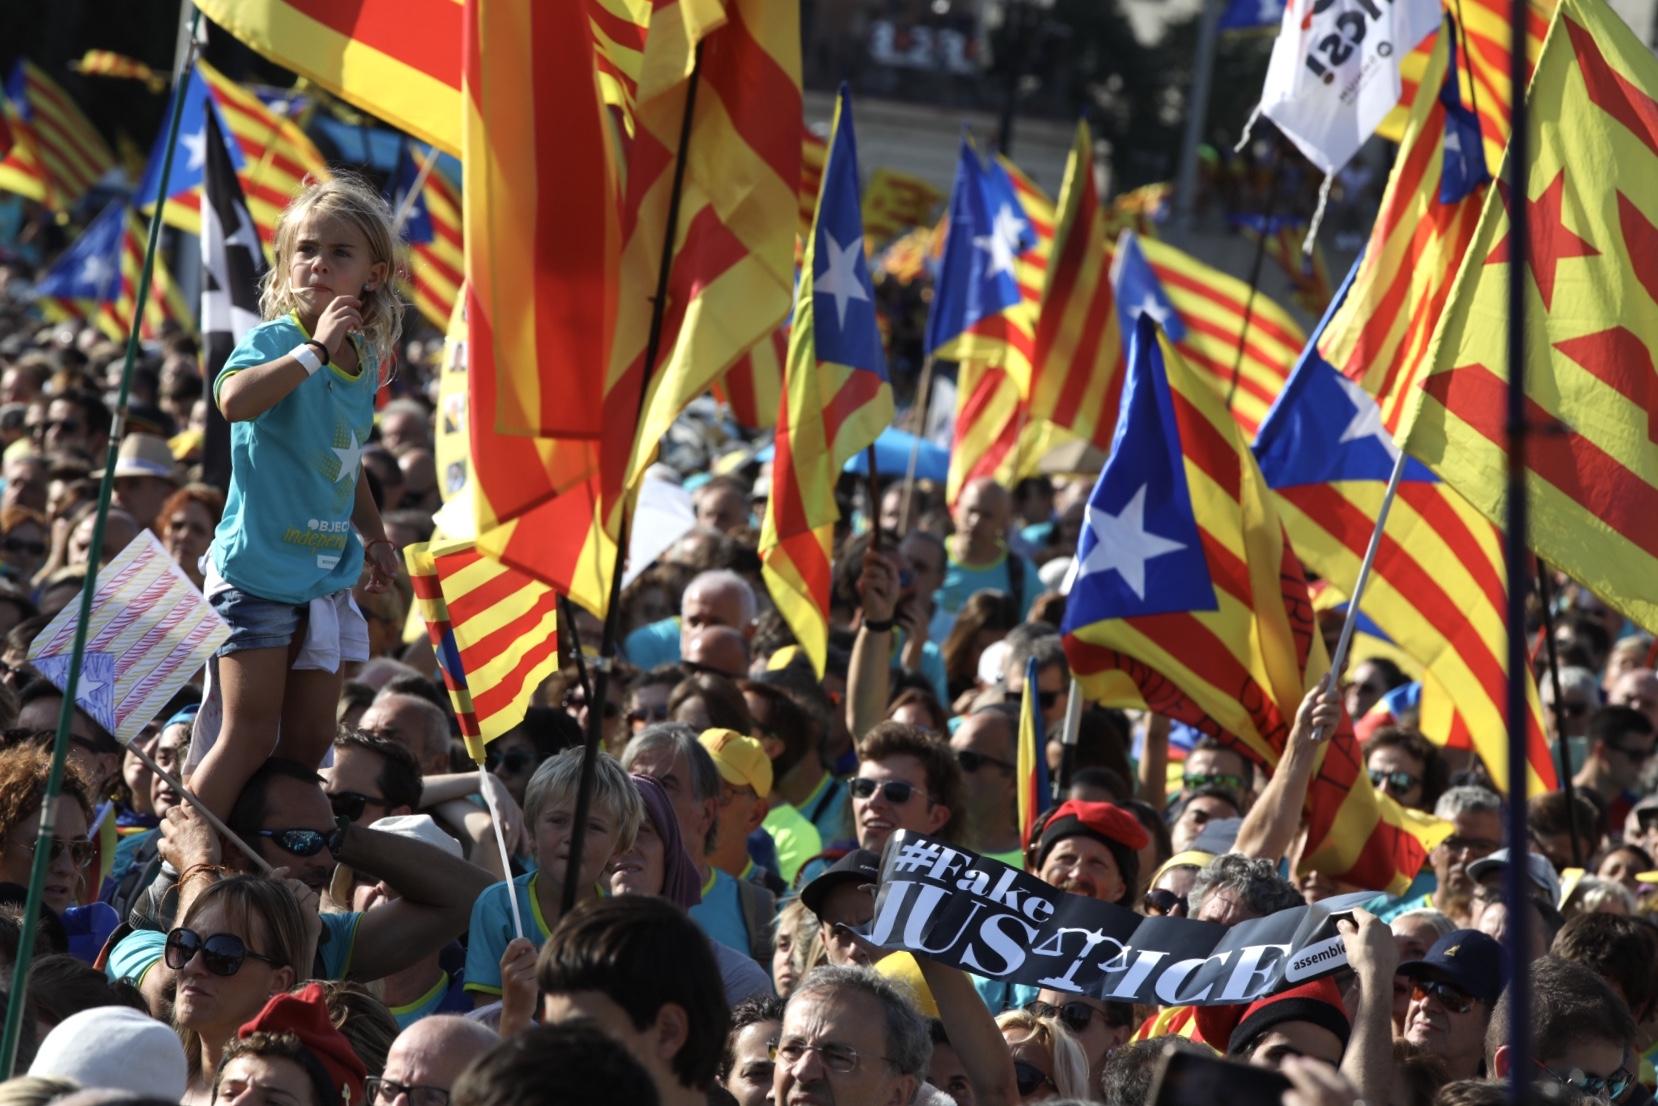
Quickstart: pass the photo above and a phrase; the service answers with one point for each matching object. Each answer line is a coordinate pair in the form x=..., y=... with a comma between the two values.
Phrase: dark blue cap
x=1467, y=959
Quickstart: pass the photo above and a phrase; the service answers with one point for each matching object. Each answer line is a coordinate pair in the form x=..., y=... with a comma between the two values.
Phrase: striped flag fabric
x=753, y=387
x=813, y=151
x=1592, y=279
x=1033, y=790
x=1185, y=582
x=57, y=154
x=397, y=59
x=1430, y=207
x=96, y=279
x=1077, y=370
x=836, y=398
x=494, y=631
x=432, y=227
x=1437, y=587
x=894, y=202
x=273, y=157
x=108, y=63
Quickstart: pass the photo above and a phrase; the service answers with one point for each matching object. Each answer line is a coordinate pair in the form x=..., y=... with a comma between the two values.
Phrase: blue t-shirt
x=447, y=996
x=962, y=580
x=138, y=951
x=286, y=534
x=125, y=850
x=720, y=913
x=653, y=644
x=492, y=929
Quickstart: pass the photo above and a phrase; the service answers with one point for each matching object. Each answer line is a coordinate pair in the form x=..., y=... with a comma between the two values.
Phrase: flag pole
x=872, y=489
x=612, y=620
x=189, y=796
x=1068, y=741
x=106, y=486
x=1515, y=554
x=1338, y=659
x=567, y=620
x=923, y=395
x=1255, y=273
x=1567, y=788
x=406, y=205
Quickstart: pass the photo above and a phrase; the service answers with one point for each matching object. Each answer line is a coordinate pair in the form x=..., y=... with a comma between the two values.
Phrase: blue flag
x=190, y=159
x=1252, y=15
x=843, y=296
x=90, y=269
x=417, y=224
x=1139, y=292
x=988, y=230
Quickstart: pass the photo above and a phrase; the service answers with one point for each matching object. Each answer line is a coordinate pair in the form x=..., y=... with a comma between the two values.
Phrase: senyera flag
x=1035, y=792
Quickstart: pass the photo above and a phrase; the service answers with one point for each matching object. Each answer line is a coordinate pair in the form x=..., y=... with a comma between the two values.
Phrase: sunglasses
x=350, y=805
x=221, y=953
x=1164, y=903
x=657, y=713
x=81, y=851
x=1457, y=1002
x=300, y=842
x=1077, y=1016
x=896, y=792
x=1397, y=782
x=66, y=426
x=18, y=545
x=1046, y=699
x=1031, y=1078
x=1608, y=1087
x=972, y=762
x=1193, y=781
x=511, y=763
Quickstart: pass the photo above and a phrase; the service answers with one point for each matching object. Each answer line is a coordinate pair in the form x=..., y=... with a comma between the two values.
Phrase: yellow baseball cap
x=740, y=759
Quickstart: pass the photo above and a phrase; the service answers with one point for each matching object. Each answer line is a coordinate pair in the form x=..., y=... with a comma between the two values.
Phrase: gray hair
x=909, y=1038
x=725, y=578
x=1468, y=799
x=1033, y=639
x=677, y=737
x=1439, y=922
x=1255, y=881
x=1573, y=678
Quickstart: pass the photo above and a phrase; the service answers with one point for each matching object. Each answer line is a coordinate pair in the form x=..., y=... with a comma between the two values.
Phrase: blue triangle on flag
x=987, y=231
x=844, y=330
x=1463, y=167
x=90, y=269
x=94, y=691
x=190, y=158
x=1139, y=292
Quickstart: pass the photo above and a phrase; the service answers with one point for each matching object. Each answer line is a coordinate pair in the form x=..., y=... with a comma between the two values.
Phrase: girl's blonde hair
x=1070, y=1063
x=349, y=197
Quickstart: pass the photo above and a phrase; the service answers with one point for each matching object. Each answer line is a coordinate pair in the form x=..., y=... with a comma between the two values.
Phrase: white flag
x=1335, y=71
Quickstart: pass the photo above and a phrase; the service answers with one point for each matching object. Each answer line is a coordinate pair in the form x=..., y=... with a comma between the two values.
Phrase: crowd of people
x=390, y=926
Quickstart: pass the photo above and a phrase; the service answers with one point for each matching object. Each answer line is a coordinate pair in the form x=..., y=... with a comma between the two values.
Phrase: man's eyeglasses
x=1456, y=843
x=1031, y=1078
x=837, y=1058
x=1573, y=708
x=1397, y=782
x=1457, y=1002
x=221, y=953
x=511, y=762
x=81, y=851
x=644, y=716
x=387, y=1091
x=1609, y=1087
x=972, y=762
x=896, y=792
x=300, y=842
x=1163, y=903
x=62, y=426
x=1046, y=699
x=351, y=804
x=1078, y=1015
x=1192, y=781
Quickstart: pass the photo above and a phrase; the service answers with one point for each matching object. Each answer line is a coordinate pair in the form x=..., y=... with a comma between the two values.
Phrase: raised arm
x=1269, y=828
x=869, y=675
x=973, y=1033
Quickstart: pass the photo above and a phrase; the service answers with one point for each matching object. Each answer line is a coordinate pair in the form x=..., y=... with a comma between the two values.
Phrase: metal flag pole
x=1068, y=741
x=1255, y=272
x=1197, y=112
x=106, y=486
x=1557, y=706
x=612, y=619
x=405, y=206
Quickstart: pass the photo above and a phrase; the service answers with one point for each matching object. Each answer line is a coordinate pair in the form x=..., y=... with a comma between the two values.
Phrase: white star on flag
x=196, y=144
x=1453, y=141
x=1367, y=418
x=1122, y=542
x=1002, y=243
x=349, y=458
x=841, y=280
x=1151, y=305
x=95, y=270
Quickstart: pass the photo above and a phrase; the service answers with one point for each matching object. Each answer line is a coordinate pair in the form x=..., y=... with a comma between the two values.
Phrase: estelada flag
x=1591, y=322
x=1034, y=791
x=1186, y=582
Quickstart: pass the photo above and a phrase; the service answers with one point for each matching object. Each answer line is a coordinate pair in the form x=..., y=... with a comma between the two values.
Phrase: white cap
x=115, y=1047
x=418, y=827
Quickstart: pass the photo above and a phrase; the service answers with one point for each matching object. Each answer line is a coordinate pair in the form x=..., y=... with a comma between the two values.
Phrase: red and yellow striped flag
x=1077, y=374
x=108, y=63
x=812, y=152
x=432, y=227
x=57, y=154
x=396, y=59
x=753, y=387
x=1592, y=291
x=120, y=250
x=894, y=202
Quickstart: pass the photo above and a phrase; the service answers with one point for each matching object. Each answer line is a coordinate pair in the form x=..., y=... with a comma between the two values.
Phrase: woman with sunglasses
x=1047, y=1061
x=240, y=941
x=514, y=756
x=23, y=772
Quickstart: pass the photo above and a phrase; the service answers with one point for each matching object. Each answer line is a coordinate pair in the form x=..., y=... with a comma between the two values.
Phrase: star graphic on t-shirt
x=350, y=458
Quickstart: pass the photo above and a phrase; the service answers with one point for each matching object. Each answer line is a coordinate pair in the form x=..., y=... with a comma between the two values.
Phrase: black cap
x=857, y=866
x=1467, y=959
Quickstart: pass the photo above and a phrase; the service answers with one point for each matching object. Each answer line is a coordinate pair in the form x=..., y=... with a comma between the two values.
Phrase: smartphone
x=1193, y=1079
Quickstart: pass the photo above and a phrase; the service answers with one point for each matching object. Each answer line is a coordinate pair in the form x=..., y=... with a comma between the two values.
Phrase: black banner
x=978, y=914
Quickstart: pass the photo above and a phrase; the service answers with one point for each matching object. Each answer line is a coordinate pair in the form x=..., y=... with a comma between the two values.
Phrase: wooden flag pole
x=612, y=619
x=406, y=205
x=189, y=796
x=106, y=486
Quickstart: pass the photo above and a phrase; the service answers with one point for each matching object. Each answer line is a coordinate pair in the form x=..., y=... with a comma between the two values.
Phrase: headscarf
x=680, y=883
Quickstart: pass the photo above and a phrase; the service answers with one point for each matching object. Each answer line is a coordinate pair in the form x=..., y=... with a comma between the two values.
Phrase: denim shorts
x=255, y=623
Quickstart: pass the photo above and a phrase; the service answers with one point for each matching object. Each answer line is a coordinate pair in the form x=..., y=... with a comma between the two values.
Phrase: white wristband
x=306, y=356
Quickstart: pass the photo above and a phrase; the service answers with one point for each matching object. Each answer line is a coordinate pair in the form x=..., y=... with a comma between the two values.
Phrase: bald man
x=979, y=557
x=432, y=1053
x=718, y=597
x=718, y=649
x=1636, y=689
x=416, y=724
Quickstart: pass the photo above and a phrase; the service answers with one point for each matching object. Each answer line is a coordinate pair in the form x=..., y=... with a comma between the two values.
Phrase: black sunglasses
x=1077, y=1015
x=349, y=805
x=511, y=763
x=1162, y=901
x=1031, y=1078
x=972, y=762
x=1046, y=699
x=221, y=953
x=300, y=842
x=1397, y=782
x=1457, y=1002
x=896, y=792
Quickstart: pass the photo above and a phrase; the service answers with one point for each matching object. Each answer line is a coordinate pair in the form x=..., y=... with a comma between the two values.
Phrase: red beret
x=304, y=1013
x=1234, y=1028
x=1107, y=823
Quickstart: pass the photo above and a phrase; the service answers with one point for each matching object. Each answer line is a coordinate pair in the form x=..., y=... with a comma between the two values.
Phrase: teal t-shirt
x=286, y=534
x=492, y=929
x=447, y=996
x=653, y=644
x=961, y=581
x=138, y=951
x=720, y=913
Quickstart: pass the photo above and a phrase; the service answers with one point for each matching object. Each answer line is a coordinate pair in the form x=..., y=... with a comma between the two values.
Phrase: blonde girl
x=299, y=525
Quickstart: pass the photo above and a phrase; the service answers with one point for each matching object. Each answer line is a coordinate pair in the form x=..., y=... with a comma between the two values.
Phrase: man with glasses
x=1453, y=989
x=850, y=1036
x=1620, y=742
x=427, y=1058
x=1100, y=1027
x=986, y=747
x=372, y=777
x=906, y=780
x=1636, y=689
x=1579, y=698
x=1211, y=764
x=1582, y=1033
x=1476, y=817
x=1053, y=673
